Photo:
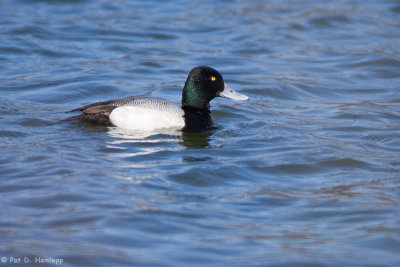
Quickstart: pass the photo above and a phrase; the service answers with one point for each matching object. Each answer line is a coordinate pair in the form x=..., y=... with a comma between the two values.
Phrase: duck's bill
x=232, y=94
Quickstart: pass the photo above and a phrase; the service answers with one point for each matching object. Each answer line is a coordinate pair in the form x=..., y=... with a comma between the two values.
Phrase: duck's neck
x=193, y=97
x=197, y=119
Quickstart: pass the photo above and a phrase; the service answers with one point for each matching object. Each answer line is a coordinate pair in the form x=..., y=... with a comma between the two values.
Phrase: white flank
x=146, y=119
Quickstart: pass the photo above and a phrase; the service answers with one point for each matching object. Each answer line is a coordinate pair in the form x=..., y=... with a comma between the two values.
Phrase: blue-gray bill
x=232, y=94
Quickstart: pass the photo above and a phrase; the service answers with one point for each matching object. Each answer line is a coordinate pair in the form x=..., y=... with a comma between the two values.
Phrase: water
x=305, y=173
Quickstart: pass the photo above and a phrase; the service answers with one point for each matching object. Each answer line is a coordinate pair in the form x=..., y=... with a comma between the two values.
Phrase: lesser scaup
x=144, y=113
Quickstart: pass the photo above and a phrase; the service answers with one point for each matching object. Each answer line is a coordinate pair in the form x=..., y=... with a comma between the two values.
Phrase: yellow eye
x=213, y=78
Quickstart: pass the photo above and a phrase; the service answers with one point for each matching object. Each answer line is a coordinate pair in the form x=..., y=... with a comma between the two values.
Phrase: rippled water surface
x=305, y=173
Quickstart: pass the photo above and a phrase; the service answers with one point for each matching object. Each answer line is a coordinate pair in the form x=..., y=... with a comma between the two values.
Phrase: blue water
x=305, y=173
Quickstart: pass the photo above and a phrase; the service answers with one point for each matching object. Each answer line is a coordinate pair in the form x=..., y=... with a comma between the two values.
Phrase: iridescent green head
x=204, y=84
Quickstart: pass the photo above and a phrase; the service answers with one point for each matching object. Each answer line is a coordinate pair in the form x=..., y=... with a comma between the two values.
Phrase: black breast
x=197, y=120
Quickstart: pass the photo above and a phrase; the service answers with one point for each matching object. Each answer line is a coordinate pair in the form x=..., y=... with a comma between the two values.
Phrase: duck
x=139, y=113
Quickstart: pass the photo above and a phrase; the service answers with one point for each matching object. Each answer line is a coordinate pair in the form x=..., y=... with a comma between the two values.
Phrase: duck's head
x=203, y=84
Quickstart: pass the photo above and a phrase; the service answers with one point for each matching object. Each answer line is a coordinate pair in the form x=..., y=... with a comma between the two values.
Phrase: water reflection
x=196, y=140
x=121, y=137
x=146, y=156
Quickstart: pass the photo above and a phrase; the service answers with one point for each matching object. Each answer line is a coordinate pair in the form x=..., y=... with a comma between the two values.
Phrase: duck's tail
x=91, y=118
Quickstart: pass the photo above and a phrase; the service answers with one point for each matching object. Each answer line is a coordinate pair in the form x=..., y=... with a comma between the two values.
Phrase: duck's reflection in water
x=197, y=139
x=152, y=141
x=150, y=155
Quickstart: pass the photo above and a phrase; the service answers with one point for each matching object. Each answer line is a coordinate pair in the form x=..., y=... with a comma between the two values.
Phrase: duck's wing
x=106, y=107
x=99, y=112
